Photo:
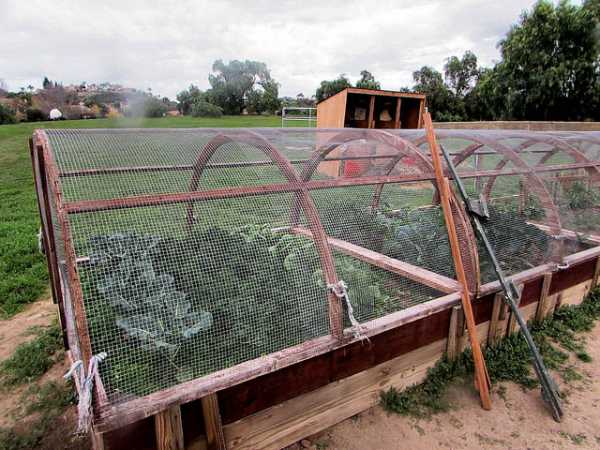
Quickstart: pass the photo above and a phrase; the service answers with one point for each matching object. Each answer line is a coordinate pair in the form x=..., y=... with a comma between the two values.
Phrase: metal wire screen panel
x=540, y=210
x=201, y=249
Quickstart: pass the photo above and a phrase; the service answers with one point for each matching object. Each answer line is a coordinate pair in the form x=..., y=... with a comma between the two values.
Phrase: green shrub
x=153, y=107
x=34, y=115
x=202, y=108
x=7, y=115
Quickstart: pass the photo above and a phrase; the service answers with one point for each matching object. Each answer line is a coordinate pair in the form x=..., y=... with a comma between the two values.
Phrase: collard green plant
x=580, y=196
x=149, y=307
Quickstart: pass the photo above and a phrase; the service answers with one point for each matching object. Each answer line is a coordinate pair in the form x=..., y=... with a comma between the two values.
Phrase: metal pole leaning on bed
x=478, y=211
x=481, y=376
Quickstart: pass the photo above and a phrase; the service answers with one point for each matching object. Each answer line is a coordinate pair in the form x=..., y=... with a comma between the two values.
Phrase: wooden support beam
x=559, y=300
x=97, y=440
x=543, y=305
x=498, y=308
x=481, y=375
x=596, y=274
x=168, y=429
x=370, y=123
x=568, y=233
x=215, y=439
x=512, y=321
x=452, y=344
x=418, y=274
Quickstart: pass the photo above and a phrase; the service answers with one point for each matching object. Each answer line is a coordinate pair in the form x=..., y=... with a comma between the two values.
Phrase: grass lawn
x=23, y=276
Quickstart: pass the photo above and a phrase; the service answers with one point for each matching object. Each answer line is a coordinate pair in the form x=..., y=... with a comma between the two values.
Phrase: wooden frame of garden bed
x=399, y=341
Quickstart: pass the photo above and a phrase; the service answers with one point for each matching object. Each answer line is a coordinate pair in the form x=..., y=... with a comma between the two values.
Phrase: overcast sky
x=166, y=45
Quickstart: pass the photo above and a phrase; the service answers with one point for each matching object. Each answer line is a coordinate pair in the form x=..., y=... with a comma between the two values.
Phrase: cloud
x=166, y=45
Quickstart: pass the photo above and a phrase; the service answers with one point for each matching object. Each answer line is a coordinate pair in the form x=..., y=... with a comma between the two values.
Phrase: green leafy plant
x=150, y=309
x=581, y=196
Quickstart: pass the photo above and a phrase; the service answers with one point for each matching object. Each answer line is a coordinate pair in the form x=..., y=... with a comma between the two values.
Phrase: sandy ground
x=14, y=332
x=518, y=420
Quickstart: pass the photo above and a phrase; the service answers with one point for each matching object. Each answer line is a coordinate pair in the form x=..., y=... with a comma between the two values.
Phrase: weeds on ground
x=576, y=439
x=510, y=360
x=48, y=399
x=43, y=405
x=46, y=404
x=32, y=359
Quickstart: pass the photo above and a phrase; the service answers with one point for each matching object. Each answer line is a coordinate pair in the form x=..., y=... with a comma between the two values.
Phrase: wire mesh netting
x=201, y=249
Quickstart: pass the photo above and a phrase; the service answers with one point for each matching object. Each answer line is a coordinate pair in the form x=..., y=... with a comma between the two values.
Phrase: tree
x=201, y=108
x=550, y=66
x=6, y=115
x=188, y=97
x=232, y=83
x=461, y=74
x=430, y=82
x=367, y=81
x=154, y=107
x=265, y=99
x=332, y=87
x=46, y=84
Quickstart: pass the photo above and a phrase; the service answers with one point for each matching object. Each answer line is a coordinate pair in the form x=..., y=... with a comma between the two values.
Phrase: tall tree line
x=549, y=69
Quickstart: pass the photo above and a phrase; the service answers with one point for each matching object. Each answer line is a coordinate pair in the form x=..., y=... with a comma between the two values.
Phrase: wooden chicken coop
x=371, y=108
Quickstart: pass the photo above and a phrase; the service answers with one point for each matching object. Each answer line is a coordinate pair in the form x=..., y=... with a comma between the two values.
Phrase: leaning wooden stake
x=481, y=376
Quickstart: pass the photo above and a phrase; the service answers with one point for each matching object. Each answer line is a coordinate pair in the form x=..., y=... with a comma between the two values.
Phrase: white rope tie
x=340, y=289
x=86, y=384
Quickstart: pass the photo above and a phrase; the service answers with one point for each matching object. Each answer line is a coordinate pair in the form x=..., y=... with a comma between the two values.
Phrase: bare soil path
x=518, y=419
x=13, y=332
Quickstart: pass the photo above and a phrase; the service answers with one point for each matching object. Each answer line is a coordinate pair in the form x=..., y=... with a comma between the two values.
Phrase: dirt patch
x=13, y=400
x=14, y=331
x=518, y=420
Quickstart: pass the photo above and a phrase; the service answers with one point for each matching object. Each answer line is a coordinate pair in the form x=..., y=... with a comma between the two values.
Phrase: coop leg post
x=215, y=439
x=512, y=322
x=494, y=330
x=452, y=345
x=596, y=275
x=542, y=308
x=97, y=440
x=168, y=429
x=559, y=299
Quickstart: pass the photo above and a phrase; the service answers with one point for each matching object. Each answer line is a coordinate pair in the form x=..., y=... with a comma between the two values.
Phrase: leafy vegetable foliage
x=265, y=292
x=149, y=307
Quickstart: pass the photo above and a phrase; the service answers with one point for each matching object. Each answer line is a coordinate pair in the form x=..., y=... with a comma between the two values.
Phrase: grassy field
x=23, y=276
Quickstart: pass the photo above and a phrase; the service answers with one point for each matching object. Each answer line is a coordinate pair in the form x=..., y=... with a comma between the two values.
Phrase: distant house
x=55, y=114
x=78, y=112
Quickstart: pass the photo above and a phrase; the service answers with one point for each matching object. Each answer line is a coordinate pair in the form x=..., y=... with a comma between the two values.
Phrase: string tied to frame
x=340, y=290
x=85, y=386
